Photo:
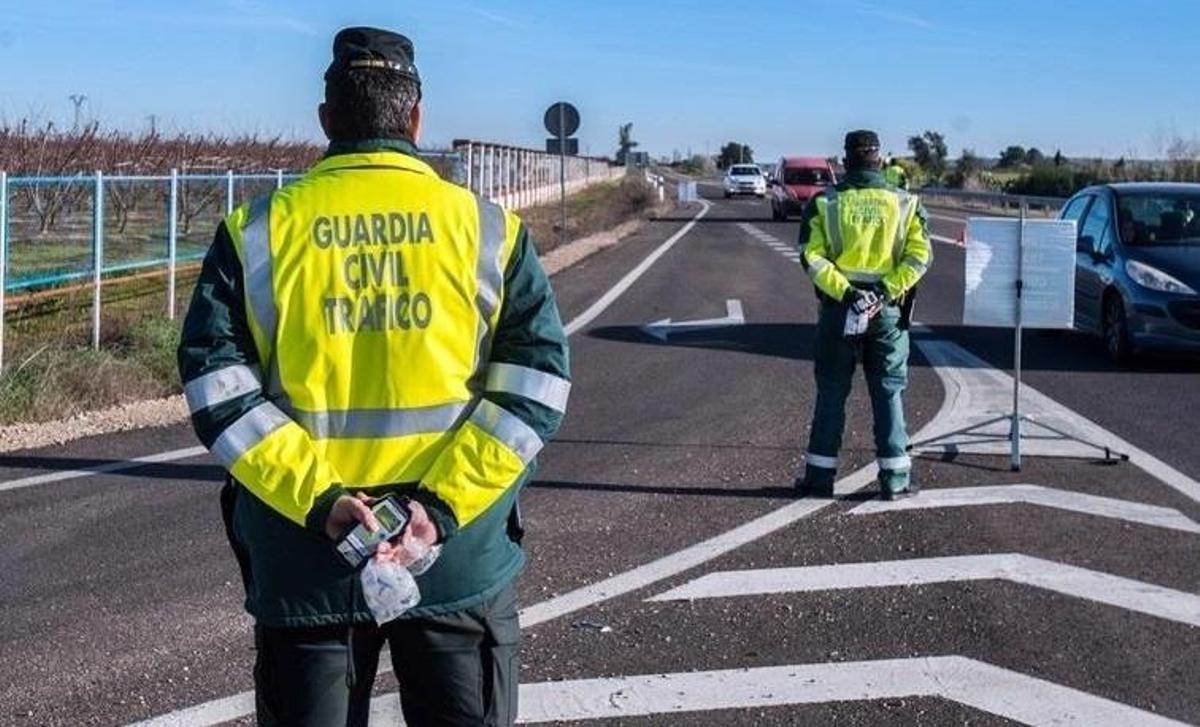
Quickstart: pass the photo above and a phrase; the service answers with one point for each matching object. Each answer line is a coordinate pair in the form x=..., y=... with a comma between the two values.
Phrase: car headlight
x=1155, y=279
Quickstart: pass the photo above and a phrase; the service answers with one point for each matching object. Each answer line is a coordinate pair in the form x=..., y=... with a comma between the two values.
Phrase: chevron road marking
x=969, y=682
x=1069, y=580
x=1107, y=507
x=975, y=392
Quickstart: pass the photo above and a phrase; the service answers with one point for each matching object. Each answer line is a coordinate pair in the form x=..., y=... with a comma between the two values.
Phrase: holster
x=907, y=303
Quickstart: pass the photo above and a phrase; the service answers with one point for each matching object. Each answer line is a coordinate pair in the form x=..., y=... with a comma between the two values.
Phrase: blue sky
x=1090, y=77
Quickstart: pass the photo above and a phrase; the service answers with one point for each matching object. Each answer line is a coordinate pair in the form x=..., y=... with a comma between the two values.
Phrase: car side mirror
x=1086, y=243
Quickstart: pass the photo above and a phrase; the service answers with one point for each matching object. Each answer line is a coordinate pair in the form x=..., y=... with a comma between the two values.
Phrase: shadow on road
x=701, y=490
x=1050, y=351
x=150, y=470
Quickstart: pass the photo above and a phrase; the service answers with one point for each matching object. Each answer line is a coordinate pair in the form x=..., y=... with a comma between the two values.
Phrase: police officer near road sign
x=373, y=329
x=865, y=245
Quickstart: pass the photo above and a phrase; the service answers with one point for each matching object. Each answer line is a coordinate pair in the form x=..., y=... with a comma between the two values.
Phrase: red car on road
x=797, y=180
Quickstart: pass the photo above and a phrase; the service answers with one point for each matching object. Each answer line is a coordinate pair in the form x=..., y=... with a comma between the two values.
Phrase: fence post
x=3, y=256
x=278, y=179
x=97, y=254
x=470, y=161
x=172, y=242
x=228, y=192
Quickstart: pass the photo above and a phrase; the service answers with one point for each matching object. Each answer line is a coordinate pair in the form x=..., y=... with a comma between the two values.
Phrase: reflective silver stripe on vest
x=380, y=423
x=546, y=389
x=508, y=428
x=489, y=275
x=816, y=265
x=906, y=201
x=915, y=264
x=857, y=277
x=256, y=261
x=250, y=429
x=220, y=386
x=895, y=464
x=833, y=227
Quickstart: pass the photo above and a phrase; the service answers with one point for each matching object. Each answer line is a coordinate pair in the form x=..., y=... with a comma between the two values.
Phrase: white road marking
x=241, y=705
x=1106, y=507
x=662, y=329
x=976, y=392
x=946, y=240
x=1070, y=580
x=105, y=468
x=622, y=285
x=689, y=557
x=969, y=682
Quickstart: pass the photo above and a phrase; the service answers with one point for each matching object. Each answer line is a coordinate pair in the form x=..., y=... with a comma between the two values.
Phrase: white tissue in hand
x=388, y=589
x=424, y=556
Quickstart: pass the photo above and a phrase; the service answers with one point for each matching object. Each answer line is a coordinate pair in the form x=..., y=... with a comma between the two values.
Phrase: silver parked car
x=1137, y=266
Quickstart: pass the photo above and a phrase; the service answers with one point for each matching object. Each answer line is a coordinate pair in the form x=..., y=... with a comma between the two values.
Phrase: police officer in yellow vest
x=373, y=329
x=865, y=245
x=895, y=174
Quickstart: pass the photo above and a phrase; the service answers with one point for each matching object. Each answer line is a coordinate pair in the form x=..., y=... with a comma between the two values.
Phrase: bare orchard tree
x=1183, y=157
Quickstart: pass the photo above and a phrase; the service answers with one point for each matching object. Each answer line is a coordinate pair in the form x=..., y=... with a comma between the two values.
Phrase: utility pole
x=153, y=119
x=77, y=99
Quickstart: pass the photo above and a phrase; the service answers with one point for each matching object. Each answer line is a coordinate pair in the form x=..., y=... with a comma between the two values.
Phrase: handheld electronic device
x=359, y=544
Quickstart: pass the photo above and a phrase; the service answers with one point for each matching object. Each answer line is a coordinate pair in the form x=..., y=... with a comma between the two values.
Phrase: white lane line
x=241, y=705
x=946, y=240
x=976, y=392
x=1069, y=580
x=1106, y=507
x=602, y=304
x=106, y=468
x=689, y=557
x=973, y=683
x=579, y=322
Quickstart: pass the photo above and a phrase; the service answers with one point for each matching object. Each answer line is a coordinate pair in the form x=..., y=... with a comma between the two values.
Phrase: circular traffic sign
x=562, y=119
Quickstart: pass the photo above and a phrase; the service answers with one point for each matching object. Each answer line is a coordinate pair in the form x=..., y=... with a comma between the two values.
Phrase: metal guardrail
x=994, y=199
x=54, y=230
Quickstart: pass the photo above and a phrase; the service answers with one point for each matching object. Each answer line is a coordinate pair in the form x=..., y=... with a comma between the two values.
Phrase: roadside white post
x=229, y=192
x=1015, y=435
x=3, y=256
x=172, y=242
x=97, y=254
x=278, y=179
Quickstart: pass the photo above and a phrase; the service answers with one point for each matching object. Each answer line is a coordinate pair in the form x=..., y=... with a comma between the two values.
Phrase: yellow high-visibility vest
x=372, y=290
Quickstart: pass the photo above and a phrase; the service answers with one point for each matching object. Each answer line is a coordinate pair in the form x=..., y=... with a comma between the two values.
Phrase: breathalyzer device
x=359, y=544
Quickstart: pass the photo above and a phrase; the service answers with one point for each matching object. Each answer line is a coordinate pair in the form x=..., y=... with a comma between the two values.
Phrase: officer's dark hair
x=369, y=103
x=863, y=157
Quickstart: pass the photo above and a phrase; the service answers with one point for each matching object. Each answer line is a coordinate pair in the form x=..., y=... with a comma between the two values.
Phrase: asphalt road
x=119, y=600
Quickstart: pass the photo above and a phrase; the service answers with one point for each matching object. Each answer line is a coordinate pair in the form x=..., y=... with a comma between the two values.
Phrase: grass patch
x=595, y=209
x=55, y=381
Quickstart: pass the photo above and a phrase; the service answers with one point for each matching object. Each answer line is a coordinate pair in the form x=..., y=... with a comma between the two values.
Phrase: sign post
x=1020, y=273
x=562, y=120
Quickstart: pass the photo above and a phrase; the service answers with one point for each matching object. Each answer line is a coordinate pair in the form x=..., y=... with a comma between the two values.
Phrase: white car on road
x=745, y=179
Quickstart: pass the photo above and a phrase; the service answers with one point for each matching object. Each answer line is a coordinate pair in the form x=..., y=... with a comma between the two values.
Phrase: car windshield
x=744, y=171
x=806, y=175
x=1159, y=218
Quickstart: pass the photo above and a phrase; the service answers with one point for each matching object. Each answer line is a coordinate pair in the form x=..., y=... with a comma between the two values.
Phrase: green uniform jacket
x=293, y=575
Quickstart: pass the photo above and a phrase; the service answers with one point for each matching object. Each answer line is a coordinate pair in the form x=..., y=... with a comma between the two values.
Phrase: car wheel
x=728, y=195
x=1116, y=330
x=777, y=213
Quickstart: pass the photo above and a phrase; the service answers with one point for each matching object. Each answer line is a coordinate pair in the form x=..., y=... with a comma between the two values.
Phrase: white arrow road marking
x=969, y=682
x=1069, y=580
x=1107, y=507
x=663, y=328
x=976, y=392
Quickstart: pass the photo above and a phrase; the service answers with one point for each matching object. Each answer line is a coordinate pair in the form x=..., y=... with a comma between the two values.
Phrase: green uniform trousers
x=883, y=351
x=454, y=670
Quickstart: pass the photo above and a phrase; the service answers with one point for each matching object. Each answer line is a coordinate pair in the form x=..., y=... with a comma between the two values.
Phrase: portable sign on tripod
x=1020, y=273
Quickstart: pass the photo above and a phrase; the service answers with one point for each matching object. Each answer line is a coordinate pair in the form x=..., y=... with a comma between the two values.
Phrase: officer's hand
x=414, y=542
x=346, y=512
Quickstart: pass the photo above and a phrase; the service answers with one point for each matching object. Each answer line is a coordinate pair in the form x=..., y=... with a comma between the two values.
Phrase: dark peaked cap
x=861, y=139
x=355, y=48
